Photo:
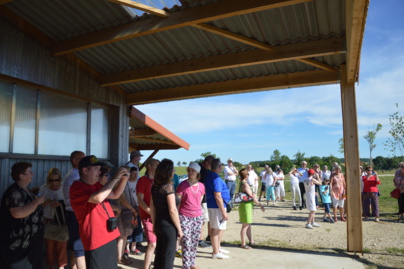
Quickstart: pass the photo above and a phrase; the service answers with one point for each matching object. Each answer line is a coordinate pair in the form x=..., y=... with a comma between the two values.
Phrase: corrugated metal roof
x=316, y=20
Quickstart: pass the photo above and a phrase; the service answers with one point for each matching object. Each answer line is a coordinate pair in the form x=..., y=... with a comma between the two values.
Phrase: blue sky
x=249, y=127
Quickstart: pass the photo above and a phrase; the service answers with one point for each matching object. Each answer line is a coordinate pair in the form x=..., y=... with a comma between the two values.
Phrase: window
x=62, y=125
x=6, y=97
x=99, y=132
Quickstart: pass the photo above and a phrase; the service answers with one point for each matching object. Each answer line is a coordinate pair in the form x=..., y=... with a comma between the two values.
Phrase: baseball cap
x=230, y=160
x=107, y=163
x=135, y=153
x=311, y=172
x=194, y=166
x=90, y=160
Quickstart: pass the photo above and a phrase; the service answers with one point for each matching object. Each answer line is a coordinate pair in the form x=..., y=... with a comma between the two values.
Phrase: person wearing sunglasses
x=56, y=251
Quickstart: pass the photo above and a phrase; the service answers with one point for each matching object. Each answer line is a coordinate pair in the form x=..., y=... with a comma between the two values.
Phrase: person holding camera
x=370, y=196
x=97, y=222
x=326, y=199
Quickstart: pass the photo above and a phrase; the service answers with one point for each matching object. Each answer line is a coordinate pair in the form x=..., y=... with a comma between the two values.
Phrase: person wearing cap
x=89, y=200
x=135, y=157
x=230, y=173
x=191, y=193
x=143, y=193
x=326, y=200
x=217, y=195
x=252, y=178
x=309, y=183
x=77, y=259
x=205, y=170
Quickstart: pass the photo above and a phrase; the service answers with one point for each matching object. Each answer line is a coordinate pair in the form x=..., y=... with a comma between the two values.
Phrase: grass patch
x=393, y=250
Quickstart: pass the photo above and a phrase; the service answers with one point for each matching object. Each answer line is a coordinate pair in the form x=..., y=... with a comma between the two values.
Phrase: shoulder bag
x=241, y=197
x=396, y=192
x=57, y=232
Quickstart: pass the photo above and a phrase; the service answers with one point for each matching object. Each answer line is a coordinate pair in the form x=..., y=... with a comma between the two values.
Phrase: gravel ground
x=283, y=227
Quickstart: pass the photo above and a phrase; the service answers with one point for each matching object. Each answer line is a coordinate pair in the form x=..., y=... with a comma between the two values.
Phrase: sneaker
x=325, y=220
x=178, y=253
x=377, y=219
x=331, y=220
x=207, y=240
x=294, y=208
x=219, y=255
x=275, y=203
x=308, y=226
x=136, y=252
x=203, y=244
x=365, y=219
x=222, y=250
x=315, y=224
x=126, y=254
x=300, y=207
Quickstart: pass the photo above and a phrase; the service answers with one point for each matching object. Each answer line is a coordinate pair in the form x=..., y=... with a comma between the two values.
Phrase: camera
x=112, y=224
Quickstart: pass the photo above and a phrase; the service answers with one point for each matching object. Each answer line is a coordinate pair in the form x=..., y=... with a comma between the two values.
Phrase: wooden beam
x=155, y=147
x=145, y=8
x=218, y=10
x=142, y=132
x=156, y=140
x=351, y=151
x=264, y=83
x=355, y=14
x=240, y=59
x=256, y=43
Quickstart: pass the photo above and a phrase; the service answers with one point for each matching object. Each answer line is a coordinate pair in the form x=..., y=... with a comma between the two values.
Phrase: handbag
x=57, y=232
x=395, y=193
x=241, y=197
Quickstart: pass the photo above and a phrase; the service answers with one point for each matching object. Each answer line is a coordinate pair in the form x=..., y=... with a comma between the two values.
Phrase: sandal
x=245, y=246
x=124, y=262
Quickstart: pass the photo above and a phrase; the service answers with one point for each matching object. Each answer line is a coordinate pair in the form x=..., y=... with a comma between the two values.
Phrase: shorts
x=336, y=203
x=216, y=219
x=205, y=213
x=148, y=230
x=74, y=242
x=327, y=207
x=102, y=257
x=263, y=188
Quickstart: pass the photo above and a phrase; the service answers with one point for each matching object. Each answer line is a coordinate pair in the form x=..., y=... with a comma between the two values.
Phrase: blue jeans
x=232, y=188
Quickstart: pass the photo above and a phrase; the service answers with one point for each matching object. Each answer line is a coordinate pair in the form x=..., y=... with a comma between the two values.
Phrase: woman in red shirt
x=370, y=194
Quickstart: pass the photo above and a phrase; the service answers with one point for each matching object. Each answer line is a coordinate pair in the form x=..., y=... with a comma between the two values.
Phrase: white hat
x=230, y=160
x=194, y=166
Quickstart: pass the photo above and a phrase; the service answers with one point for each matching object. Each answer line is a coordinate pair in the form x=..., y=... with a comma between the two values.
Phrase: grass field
x=388, y=205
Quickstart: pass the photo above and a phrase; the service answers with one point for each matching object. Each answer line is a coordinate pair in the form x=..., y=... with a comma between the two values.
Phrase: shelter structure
x=88, y=60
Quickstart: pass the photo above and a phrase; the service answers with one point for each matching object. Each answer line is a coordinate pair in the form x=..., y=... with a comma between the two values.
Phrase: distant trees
x=184, y=163
x=341, y=145
x=370, y=137
x=386, y=163
x=396, y=142
x=276, y=156
x=299, y=157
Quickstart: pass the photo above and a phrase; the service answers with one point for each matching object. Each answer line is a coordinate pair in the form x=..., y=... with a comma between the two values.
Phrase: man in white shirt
x=303, y=171
x=252, y=178
x=230, y=173
x=135, y=157
x=262, y=175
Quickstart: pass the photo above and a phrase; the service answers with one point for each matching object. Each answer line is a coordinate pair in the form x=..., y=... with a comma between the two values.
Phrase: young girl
x=309, y=185
x=326, y=199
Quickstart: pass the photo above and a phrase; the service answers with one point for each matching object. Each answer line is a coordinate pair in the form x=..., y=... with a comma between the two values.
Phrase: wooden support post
x=151, y=156
x=352, y=163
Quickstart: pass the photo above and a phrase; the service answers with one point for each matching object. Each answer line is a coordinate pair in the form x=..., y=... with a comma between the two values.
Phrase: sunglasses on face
x=54, y=180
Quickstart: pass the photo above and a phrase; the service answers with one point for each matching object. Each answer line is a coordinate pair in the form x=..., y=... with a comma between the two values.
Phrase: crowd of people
x=101, y=218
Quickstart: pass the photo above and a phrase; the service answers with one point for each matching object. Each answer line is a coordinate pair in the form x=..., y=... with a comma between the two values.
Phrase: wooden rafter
x=156, y=140
x=256, y=43
x=145, y=8
x=356, y=12
x=264, y=83
x=218, y=10
x=140, y=133
x=245, y=58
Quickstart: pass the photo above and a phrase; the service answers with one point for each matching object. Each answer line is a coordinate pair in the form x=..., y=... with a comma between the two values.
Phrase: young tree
x=299, y=157
x=396, y=141
x=370, y=137
x=184, y=163
x=276, y=156
x=341, y=145
x=179, y=163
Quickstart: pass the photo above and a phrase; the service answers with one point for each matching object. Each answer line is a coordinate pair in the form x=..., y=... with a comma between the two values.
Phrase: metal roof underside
x=146, y=134
x=181, y=49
